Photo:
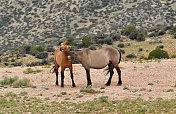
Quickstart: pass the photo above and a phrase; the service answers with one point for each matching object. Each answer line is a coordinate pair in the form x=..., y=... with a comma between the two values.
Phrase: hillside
x=43, y=22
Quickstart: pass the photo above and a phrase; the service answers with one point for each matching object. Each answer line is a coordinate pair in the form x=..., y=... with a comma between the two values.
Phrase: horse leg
x=119, y=73
x=111, y=67
x=71, y=73
x=89, y=83
x=62, y=77
x=56, y=70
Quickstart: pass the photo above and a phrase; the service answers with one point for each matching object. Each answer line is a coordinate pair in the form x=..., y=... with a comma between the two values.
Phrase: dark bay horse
x=61, y=60
x=98, y=59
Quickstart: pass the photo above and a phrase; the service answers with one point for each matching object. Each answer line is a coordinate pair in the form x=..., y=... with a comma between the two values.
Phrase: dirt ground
x=136, y=76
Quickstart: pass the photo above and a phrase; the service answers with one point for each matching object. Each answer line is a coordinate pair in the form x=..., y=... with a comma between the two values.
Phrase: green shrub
x=103, y=99
x=121, y=45
x=70, y=41
x=150, y=84
x=133, y=35
x=79, y=95
x=108, y=41
x=11, y=94
x=162, y=32
x=30, y=70
x=12, y=60
x=89, y=90
x=86, y=41
x=152, y=34
x=21, y=83
x=115, y=36
x=36, y=48
x=173, y=56
x=160, y=46
x=63, y=93
x=6, y=59
x=131, y=56
x=23, y=93
x=158, y=54
x=140, y=49
x=140, y=37
x=92, y=47
x=8, y=81
x=122, y=51
x=41, y=55
x=17, y=64
x=128, y=30
x=6, y=64
x=175, y=35
x=125, y=88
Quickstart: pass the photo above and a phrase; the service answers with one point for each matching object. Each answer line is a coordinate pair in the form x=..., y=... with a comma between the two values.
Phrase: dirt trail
x=135, y=76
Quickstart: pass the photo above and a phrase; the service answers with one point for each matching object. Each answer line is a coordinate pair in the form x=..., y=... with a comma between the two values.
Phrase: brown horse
x=98, y=59
x=61, y=60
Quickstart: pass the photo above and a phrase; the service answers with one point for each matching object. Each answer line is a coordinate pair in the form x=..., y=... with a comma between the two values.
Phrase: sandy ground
x=135, y=76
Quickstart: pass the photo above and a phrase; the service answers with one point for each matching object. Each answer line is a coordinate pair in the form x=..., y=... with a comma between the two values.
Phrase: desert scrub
x=23, y=93
x=63, y=93
x=79, y=95
x=125, y=88
x=11, y=94
x=150, y=84
x=89, y=90
x=8, y=80
x=30, y=70
x=102, y=87
x=21, y=83
x=169, y=90
x=103, y=99
x=35, y=105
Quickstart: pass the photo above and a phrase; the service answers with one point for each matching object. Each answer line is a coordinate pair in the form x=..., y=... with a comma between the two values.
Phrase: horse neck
x=65, y=53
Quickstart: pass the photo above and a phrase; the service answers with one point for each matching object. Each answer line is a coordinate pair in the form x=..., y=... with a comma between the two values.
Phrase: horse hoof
x=107, y=84
x=119, y=84
x=73, y=85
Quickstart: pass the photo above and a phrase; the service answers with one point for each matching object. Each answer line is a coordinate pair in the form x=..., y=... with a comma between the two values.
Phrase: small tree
x=115, y=36
x=36, y=48
x=133, y=35
x=70, y=41
x=140, y=37
x=86, y=41
x=158, y=53
x=128, y=30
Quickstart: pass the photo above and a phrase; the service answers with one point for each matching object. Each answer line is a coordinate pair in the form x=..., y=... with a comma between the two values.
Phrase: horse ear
x=59, y=43
x=65, y=42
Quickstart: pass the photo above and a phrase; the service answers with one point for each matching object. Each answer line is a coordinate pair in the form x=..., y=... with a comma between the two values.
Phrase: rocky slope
x=43, y=22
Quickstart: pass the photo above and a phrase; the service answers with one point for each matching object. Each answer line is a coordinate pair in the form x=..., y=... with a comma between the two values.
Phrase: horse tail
x=54, y=69
x=120, y=56
x=119, y=53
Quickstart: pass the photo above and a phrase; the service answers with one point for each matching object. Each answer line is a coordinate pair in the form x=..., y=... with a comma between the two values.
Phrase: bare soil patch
x=135, y=76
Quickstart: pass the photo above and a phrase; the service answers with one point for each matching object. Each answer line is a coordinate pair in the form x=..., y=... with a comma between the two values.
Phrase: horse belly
x=99, y=63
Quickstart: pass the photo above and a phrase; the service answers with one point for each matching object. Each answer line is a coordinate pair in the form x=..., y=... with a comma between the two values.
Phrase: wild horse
x=61, y=60
x=98, y=59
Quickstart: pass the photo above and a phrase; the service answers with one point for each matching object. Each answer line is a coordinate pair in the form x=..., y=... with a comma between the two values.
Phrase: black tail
x=120, y=55
x=119, y=50
x=54, y=69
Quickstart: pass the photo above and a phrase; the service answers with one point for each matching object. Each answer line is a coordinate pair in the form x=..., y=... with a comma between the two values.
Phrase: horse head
x=63, y=46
